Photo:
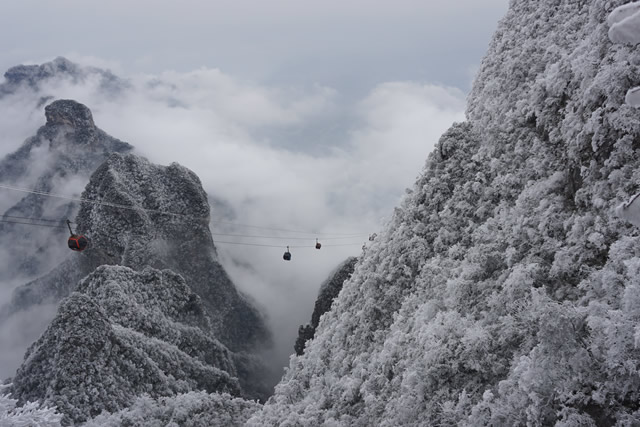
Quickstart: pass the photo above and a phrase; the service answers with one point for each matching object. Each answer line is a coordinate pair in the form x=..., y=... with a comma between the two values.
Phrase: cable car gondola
x=76, y=242
x=287, y=255
x=318, y=244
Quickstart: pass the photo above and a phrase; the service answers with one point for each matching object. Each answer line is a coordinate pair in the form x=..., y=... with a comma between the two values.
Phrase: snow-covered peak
x=122, y=334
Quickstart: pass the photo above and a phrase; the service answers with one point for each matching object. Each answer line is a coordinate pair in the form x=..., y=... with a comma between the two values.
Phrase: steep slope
x=58, y=159
x=504, y=291
x=329, y=290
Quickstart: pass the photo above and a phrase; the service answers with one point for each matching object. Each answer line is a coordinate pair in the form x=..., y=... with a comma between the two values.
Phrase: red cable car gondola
x=76, y=242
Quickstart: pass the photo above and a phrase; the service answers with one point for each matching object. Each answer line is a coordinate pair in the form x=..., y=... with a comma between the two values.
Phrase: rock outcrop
x=62, y=154
x=34, y=77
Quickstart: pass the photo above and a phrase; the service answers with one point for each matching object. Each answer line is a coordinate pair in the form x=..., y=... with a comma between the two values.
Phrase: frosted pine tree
x=194, y=409
x=29, y=415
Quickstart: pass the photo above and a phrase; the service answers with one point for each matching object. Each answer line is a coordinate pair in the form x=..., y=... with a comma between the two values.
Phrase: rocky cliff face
x=505, y=290
x=71, y=141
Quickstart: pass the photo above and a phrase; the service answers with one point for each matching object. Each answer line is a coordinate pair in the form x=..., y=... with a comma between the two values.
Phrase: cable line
x=284, y=238
x=32, y=223
x=33, y=219
x=215, y=242
x=120, y=206
x=311, y=233
x=61, y=222
x=280, y=246
x=95, y=202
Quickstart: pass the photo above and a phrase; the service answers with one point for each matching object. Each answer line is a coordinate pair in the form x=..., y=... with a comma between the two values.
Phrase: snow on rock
x=147, y=309
x=622, y=12
x=69, y=142
x=633, y=97
x=34, y=77
x=71, y=113
x=630, y=210
x=165, y=226
x=504, y=290
x=624, y=24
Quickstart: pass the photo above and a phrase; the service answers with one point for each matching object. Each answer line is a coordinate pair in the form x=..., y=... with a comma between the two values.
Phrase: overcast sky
x=306, y=115
x=350, y=45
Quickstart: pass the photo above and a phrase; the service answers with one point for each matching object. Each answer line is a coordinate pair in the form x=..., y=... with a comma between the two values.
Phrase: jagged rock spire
x=69, y=112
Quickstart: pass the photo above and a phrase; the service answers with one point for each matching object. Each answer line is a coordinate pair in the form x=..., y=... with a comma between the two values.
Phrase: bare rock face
x=69, y=112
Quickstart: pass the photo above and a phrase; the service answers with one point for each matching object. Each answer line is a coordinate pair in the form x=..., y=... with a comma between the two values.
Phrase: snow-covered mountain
x=504, y=290
x=155, y=296
x=34, y=77
x=147, y=308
